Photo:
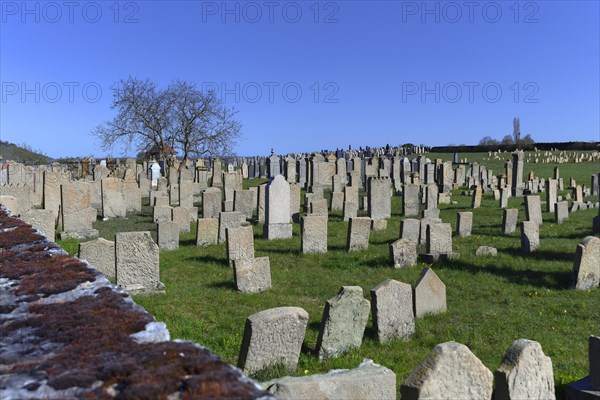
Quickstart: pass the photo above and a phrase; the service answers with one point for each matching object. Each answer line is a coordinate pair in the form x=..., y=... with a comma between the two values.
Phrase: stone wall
x=68, y=333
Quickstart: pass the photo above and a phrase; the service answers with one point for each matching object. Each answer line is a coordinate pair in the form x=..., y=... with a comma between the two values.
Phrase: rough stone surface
x=486, y=251
x=245, y=202
x=337, y=201
x=392, y=308
x=207, y=231
x=429, y=294
x=230, y=219
x=252, y=274
x=449, y=372
x=101, y=254
x=43, y=220
x=161, y=213
x=359, y=230
x=380, y=202
x=410, y=200
x=439, y=239
x=137, y=260
x=586, y=267
x=464, y=223
x=211, y=203
x=509, y=220
x=561, y=211
x=350, y=209
x=344, y=320
x=181, y=216
x=368, y=381
x=240, y=243
x=403, y=253
x=168, y=235
x=271, y=337
x=277, y=212
x=314, y=234
x=319, y=207
x=476, y=201
x=533, y=209
x=530, y=236
x=525, y=373
x=410, y=229
x=113, y=203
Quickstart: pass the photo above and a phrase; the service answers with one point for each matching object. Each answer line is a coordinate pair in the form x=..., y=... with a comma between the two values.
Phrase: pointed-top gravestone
x=525, y=373
x=429, y=294
x=449, y=372
x=344, y=320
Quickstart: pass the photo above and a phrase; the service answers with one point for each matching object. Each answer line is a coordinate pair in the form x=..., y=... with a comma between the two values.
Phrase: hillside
x=23, y=154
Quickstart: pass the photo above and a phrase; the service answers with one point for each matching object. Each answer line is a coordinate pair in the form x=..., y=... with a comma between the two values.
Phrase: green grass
x=491, y=301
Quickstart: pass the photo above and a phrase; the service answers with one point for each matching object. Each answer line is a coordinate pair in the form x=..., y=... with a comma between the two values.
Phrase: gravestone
x=517, y=173
x=277, y=212
x=450, y=371
x=476, y=201
x=439, y=242
x=244, y=201
x=252, y=274
x=410, y=200
x=392, y=308
x=229, y=219
x=586, y=267
x=161, y=213
x=137, y=260
x=186, y=194
x=431, y=195
x=424, y=226
x=168, y=235
x=359, y=230
x=380, y=202
x=211, y=203
x=43, y=220
x=337, y=201
x=350, y=210
x=240, y=243
x=76, y=211
x=410, y=229
x=344, y=320
x=530, y=236
x=262, y=189
x=509, y=220
x=314, y=234
x=295, y=191
x=403, y=253
x=464, y=223
x=561, y=211
x=483, y=251
x=319, y=207
x=504, y=196
x=207, y=231
x=113, y=203
x=533, y=209
x=101, y=254
x=429, y=294
x=181, y=216
x=551, y=194
x=271, y=337
x=525, y=373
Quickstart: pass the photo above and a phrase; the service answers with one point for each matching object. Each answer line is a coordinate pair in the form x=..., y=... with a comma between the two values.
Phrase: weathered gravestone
x=561, y=211
x=429, y=294
x=403, y=253
x=464, y=223
x=525, y=373
x=439, y=243
x=476, y=201
x=530, y=236
x=586, y=267
x=344, y=320
x=483, y=251
x=509, y=220
x=533, y=209
x=76, y=213
x=101, y=254
x=252, y=274
x=350, y=210
x=161, y=213
x=368, y=381
x=410, y=200
x=168, y=235
x=272, y=337
x=277, y=212
x=337, y=201
x=244, y=201
x=137, y=260
x=230, y=219
x=551, y=194
x=113, y=203
x=207, y=231
x=181, y=216
x=319, y=207
x=392, y=308
x=424, y=226
x=449, y=372
x=211, y=203
x=380, y=202
x=44, y=220
x=359, y=230
x=504, y=196
x=314, y=234
x=410, y=229
x=431, y=195
x=240, y=243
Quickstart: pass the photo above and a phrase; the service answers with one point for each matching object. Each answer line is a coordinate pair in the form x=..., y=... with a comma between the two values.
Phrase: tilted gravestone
x=429, y=294
x=403, y=253
x=101, y=254
x=252, y=274
x=359, y=230
x=314, y=234
x=530, y=236
x=509, y=220
x=586, y=267
x=525, y=373
x=392, y=308
x=207, y=231
x=137, y=260
x=230, y=219
x=344, y=320
x=272, y=337
x=240, y=243
x=450, y=371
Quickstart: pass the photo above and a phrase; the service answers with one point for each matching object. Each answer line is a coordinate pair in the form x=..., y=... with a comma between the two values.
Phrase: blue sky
x=307, y=75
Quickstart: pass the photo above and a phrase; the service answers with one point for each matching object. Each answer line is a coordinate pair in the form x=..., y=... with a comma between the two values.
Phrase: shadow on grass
x=544, y=255
x=210, y=259
x=228, y=284
x=529, y=277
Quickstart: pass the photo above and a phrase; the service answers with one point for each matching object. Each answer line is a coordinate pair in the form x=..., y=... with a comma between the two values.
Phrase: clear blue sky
x=370, y=73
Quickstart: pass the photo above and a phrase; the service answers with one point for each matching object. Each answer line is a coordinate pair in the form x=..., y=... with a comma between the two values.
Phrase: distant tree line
x=514, y=139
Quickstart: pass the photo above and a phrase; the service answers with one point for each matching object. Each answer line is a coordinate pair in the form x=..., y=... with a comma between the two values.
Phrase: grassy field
x=491, y=301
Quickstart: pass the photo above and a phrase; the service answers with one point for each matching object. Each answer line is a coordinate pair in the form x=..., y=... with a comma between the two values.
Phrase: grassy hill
x=22, y=153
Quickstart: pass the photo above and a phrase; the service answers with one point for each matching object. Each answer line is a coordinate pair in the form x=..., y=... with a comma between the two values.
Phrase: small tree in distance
x=488, y=141
x=179, y=117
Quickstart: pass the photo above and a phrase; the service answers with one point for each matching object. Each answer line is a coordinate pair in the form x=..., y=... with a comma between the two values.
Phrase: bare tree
x=517, y=130
x=179, y=117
